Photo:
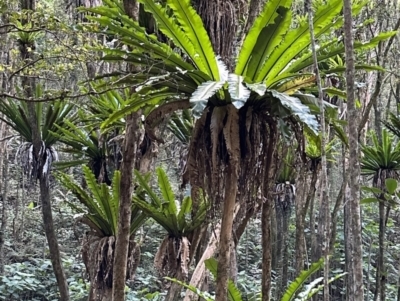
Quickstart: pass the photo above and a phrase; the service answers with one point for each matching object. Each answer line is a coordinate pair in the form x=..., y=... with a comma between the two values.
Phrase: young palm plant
x=100, y=212
x=381, y=160
x=235, y=137
x=179, y=219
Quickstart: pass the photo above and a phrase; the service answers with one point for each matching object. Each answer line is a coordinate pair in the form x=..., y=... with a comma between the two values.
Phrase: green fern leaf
x=298, y=283
x=298, y=40
x=269, y=38
x=233, y=292
x=193, y=27
x=266, y=17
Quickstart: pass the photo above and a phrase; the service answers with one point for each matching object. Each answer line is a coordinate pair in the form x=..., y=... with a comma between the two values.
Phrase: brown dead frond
x=173, y=256
x=242, y=136
x=36, y=167
x=98, y=257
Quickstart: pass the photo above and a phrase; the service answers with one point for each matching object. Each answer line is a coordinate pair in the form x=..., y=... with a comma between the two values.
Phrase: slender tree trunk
x=301, y=206
x=52, y=238
x=379, y=79
x=267, y=254
x=315, y=252
x=348, y=245
x=129, y=151
x=199, y=272
x=3, y=191
x=124, y=217
x=324, y=214
x=356, y=288
x=28, y=84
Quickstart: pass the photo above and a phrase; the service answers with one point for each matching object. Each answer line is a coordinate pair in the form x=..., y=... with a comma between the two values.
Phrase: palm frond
x=100, y=202
x=381, y=155
x=177, y=218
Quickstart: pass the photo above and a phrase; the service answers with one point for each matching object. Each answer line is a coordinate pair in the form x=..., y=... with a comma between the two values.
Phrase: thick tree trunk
x=225, y=242
x=270, y=171
x=356, y=288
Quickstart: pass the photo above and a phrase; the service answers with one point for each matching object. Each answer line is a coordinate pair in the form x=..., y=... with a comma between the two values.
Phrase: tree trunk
x=52, y=238
x=28, y=84
x=381, y=272
x=129, y=151
x=225, y=242
x=3, y=190
x=356, y=288
x=267, y=189
x=124, y=218
x=266, y=243
x=199, y=272
x=301, y=207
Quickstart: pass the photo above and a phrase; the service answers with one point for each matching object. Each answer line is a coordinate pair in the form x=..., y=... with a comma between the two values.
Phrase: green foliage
x=34, y=280
x=299, y=282
x=269, y=67
x=81, y=143
x=287, y=171
x=291, y=293
x=177, y=218
x=313, y=147
x=206, y=296
x=380, y=155
x=100, y=203
x=390, y=194
x=50, y=117
x=182, y=126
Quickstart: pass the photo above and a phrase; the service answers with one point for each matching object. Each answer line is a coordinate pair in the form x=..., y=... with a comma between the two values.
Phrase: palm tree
x=381, y=160
x=227, y=151
x=37, y=162
x=180, y=221
x=100, y=212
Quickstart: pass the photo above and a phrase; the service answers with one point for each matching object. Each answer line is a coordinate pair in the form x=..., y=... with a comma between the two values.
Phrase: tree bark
x=3, y=191
x=129, y=151
x=199, y=272
x=124, y=218
x=270, y=171
x=301, y=207
x=225, y=242
x=356, y=288
x=28, y=85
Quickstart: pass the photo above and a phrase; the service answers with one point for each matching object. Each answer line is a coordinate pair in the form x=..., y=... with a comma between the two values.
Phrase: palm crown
x=270, y=65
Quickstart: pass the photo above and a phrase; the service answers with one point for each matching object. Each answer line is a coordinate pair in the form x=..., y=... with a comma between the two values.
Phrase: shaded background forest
x=57, y=50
